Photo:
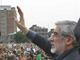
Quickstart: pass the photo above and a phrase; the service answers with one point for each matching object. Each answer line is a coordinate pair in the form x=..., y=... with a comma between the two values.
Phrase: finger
x=20, y=11
x=15, y=20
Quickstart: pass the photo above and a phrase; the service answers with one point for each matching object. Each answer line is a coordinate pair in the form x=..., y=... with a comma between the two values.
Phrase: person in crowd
x=38, y=55
x=12, y=57
x=29, y=57
x=62, y=44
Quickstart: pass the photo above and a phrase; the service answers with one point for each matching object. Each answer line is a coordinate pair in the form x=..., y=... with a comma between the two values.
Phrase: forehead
x=57, y=29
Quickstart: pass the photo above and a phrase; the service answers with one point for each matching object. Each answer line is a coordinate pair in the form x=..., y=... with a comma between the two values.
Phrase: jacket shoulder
x=74, y=55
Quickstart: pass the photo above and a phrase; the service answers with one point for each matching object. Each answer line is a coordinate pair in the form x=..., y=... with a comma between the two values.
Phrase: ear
x=69, y=40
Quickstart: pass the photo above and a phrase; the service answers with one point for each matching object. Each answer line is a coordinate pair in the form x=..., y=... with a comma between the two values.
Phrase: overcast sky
x=45, y=13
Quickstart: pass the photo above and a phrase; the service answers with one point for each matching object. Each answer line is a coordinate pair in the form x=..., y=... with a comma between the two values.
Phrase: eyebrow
x=55, y=32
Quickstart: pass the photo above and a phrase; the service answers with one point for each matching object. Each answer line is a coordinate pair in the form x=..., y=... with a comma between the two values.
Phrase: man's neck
x=66, y=49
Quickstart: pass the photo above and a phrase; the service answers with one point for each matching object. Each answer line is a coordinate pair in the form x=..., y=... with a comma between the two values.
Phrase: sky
x=45, y=13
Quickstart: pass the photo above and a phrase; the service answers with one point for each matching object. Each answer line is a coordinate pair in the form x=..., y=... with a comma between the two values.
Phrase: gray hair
x=67, y=29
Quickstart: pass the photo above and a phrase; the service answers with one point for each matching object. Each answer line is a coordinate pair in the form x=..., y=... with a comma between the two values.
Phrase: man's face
x=58, y=44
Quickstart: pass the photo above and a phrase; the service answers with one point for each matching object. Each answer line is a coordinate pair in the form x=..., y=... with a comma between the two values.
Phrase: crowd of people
x=22, y=51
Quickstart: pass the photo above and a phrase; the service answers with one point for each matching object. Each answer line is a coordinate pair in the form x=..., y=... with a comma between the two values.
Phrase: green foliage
x=1, y=42
x=19, y=37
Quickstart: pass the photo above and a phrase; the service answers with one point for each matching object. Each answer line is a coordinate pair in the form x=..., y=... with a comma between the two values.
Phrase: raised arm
x=42, y=42
x=21, y=23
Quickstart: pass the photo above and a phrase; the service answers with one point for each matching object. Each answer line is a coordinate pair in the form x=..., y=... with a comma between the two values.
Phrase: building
x=7, y=26
x=50, y=32
x=40, y=30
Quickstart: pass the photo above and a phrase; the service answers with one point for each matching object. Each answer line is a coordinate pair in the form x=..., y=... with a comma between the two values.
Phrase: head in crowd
x=12, y=57
x=62, y=38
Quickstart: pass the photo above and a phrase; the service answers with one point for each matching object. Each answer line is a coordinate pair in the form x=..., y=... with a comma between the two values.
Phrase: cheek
x=57, y=39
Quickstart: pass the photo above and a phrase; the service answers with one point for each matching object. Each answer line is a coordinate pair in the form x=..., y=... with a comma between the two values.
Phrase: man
x=64, y=41
x=61, y=41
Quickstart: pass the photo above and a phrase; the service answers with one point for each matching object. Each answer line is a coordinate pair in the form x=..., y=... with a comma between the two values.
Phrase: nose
x=51, y=39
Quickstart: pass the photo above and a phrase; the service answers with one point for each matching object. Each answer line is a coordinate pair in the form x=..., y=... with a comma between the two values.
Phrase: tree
x=19, y=37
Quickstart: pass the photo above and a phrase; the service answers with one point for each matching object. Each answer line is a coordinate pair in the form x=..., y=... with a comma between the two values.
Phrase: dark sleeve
x=43, y=43
x=31, y=34
x=77, y=31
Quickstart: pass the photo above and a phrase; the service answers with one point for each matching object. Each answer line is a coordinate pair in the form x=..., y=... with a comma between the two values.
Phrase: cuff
x=31, y=35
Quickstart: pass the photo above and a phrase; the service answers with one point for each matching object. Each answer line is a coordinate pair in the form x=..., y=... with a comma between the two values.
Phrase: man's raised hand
x=21, y=24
